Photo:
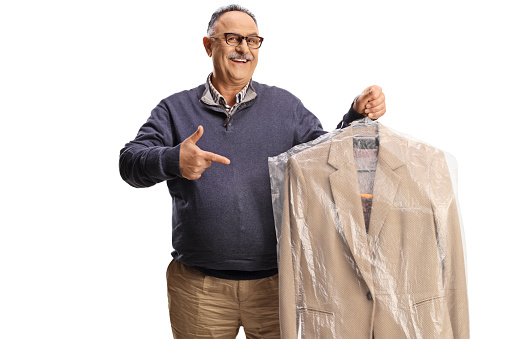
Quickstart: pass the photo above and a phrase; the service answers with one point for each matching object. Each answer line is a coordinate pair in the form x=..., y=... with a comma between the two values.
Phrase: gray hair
x=220, y=11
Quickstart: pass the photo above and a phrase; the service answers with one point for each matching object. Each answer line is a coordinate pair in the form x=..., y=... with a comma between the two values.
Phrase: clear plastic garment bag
x=369, y=238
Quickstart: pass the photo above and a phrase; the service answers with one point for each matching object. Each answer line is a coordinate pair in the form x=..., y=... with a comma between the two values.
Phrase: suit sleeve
x=153, y=155
x=450, y=246
x=290, y=251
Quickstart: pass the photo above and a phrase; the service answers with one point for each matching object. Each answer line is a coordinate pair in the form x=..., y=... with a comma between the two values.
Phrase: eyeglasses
x=234, y=39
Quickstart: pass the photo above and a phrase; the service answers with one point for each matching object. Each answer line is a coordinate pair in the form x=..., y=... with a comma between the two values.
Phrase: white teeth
x=242, y=60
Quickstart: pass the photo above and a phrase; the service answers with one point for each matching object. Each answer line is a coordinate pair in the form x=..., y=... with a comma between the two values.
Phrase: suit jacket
x=405, y=278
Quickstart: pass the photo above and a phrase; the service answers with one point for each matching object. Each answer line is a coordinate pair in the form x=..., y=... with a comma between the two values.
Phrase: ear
x=207, y=41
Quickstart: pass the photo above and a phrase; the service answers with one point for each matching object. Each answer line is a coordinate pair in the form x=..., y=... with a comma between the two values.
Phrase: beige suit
x=404, y=279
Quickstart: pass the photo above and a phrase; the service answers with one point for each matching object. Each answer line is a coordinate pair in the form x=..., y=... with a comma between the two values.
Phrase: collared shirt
x=220, y=100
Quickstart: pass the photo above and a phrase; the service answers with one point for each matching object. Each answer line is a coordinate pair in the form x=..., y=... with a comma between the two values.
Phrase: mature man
x=211, y=144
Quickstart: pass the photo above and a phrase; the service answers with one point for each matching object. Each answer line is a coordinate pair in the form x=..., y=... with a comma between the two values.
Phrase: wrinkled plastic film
x=369, y=238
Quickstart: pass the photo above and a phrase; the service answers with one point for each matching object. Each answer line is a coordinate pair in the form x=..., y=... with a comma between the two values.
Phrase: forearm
x=142, y=166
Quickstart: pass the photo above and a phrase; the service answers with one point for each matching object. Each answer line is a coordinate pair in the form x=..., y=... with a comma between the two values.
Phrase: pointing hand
x=194, y=161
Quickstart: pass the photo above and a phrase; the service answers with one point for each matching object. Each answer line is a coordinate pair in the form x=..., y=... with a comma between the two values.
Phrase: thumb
x=372, y=92
x=365, y=97
x=368, y=90
x=196, y=135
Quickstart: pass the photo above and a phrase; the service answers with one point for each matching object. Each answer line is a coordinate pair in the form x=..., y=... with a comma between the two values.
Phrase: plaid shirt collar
x=219, y=99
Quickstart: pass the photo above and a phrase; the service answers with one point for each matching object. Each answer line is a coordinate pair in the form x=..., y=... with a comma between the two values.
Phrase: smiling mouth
x=239, y=60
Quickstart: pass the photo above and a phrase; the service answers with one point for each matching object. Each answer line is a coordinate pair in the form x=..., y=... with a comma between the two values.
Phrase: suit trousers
x=202, y=306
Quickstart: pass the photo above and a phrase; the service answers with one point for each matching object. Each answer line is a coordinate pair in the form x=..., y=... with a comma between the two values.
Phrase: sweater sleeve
x=310, y=128
x=152, y=156
x=350, y=117
x=307, y=127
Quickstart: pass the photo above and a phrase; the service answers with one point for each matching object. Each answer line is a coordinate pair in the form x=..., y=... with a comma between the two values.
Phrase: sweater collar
x=212, y=97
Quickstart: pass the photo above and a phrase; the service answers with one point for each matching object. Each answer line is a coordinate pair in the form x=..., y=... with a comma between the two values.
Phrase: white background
x=84, y=255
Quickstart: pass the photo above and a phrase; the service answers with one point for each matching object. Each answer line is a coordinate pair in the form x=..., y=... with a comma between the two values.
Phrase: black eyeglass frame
x=241, y=38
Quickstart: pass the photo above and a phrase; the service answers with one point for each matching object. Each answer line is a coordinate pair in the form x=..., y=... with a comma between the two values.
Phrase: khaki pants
x=206, y=307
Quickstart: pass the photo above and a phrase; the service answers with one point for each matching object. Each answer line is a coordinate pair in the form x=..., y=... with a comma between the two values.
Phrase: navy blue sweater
x=224, y=220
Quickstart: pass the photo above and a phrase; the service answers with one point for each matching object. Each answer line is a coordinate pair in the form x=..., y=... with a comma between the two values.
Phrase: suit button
x=369, y=296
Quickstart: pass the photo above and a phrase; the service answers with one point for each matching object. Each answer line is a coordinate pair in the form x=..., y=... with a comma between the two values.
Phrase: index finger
x=216, y=158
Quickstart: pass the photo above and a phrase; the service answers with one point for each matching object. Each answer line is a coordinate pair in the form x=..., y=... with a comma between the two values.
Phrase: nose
x=242, y=48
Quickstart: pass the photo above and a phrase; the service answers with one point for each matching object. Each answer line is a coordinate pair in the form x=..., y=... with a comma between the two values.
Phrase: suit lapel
x=345, y=192
x=386, y=181
x=346, y=195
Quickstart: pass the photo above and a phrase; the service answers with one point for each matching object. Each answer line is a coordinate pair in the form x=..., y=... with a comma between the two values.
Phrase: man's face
x=228, y=69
